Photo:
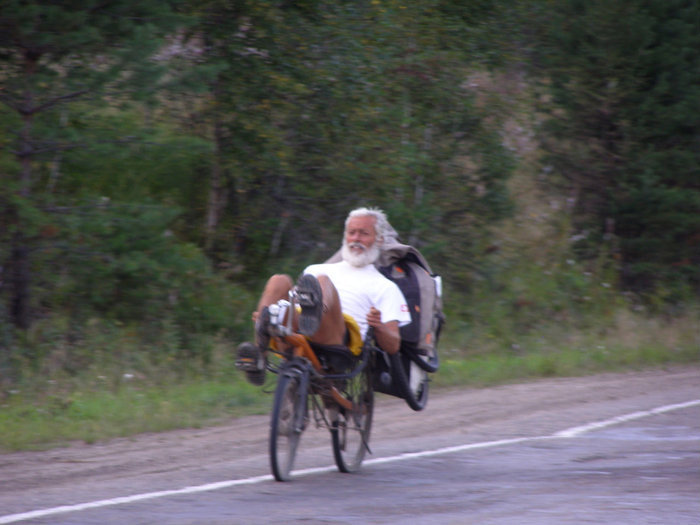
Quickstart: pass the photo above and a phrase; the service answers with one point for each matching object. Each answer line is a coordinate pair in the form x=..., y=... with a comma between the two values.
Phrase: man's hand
x=387, y=334
x=374, y=317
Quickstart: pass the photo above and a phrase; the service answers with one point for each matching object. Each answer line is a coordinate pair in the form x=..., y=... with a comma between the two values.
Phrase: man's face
x=359, y=243
x=360, y=234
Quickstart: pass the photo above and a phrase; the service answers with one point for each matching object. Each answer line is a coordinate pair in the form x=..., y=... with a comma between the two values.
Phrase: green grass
x=36, y=422
x=623, y=341
x=41, y=414
x=488, y=370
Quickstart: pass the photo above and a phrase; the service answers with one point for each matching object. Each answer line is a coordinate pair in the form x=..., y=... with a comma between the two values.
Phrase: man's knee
x=330, y=294
x=325, y=282
x=276, y=288
x=281, y=278
x=280, y=282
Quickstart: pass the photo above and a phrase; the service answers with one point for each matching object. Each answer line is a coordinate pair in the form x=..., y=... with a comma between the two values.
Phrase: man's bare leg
x=276, y=288
x=332, y=328
x=251, y=357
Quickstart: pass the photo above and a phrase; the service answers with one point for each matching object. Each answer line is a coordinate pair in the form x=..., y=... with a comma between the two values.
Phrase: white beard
x=367, y=256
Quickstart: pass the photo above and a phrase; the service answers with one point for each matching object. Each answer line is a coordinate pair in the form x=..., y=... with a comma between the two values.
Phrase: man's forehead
x=364, y=221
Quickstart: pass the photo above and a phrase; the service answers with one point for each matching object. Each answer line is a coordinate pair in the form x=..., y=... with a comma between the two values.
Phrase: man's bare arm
x=387, y=334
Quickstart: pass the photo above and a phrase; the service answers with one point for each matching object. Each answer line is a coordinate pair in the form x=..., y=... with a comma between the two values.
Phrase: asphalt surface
x=612, y=448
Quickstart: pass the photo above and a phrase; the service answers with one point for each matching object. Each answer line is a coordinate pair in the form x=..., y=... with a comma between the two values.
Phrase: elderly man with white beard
x=352, y=286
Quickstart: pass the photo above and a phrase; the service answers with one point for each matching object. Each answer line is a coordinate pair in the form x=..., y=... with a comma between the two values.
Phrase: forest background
x=160, y=159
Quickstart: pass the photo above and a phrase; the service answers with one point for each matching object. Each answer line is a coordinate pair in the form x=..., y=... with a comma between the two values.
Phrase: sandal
x=252, y=361
x=310, y=297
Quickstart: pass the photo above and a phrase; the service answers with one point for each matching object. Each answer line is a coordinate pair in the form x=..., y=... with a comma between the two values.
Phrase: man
x=352, y=286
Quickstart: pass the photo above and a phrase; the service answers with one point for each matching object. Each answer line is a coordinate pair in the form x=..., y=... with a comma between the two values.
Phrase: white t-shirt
x=361, y=288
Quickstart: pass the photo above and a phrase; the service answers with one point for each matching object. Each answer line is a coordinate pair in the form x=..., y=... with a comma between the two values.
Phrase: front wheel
x=287, y=424
x=350, y=431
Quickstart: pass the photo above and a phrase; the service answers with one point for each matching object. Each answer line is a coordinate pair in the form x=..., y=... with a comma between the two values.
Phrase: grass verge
x=627, y=340
x=43, y=413
x=489, y=370
x=30, y=422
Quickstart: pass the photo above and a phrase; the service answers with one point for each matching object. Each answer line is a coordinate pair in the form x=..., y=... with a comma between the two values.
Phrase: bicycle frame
x=302, y=372
x=301, y=351
x=344, y=407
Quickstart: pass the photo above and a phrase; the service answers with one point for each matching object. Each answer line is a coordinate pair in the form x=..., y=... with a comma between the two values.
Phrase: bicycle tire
x=286, y=424
x=351, y=430
x=411, y=379
x=429, y=364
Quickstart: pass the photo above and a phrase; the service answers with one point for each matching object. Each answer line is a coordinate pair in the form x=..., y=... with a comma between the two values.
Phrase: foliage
x=627, y=77
x=117, y=272
x=311, y=123
x=160, y=159
x=53, y=54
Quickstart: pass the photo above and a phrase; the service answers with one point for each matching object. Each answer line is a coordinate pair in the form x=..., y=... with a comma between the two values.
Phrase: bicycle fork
x=301, y=402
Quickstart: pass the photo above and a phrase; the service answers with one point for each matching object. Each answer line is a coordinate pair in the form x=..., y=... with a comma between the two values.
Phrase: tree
x=53, y=54
x=362, y=103
x=627, y=76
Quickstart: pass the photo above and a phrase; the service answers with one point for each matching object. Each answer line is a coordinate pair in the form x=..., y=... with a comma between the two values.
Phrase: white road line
x=568, y=433
x=446, y=450
x=575, y=431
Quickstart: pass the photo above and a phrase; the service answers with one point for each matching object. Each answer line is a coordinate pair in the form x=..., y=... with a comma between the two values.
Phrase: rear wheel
x=286, y=425
x=350, y=430
x=411, y=379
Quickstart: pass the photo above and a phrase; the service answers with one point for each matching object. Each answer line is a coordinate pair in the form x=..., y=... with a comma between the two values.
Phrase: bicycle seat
x=335, y=358
x=341, y=357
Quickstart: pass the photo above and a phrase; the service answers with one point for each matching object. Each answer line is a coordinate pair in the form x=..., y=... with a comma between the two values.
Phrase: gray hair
x=381, y=223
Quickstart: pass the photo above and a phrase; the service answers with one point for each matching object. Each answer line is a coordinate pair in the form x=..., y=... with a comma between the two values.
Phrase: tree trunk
x=216, y=201
x=20, y=272
x=19, y=283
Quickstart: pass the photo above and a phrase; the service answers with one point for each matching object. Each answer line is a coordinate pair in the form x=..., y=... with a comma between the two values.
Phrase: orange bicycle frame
x=301, y=348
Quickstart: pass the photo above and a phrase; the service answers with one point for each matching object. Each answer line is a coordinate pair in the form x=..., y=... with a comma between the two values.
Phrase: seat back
x=423, y=294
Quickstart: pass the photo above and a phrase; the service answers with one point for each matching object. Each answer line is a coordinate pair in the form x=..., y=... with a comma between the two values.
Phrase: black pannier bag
x=422, y=290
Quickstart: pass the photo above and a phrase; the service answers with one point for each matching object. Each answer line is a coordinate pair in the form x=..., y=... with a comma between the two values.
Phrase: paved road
x=615, y=448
